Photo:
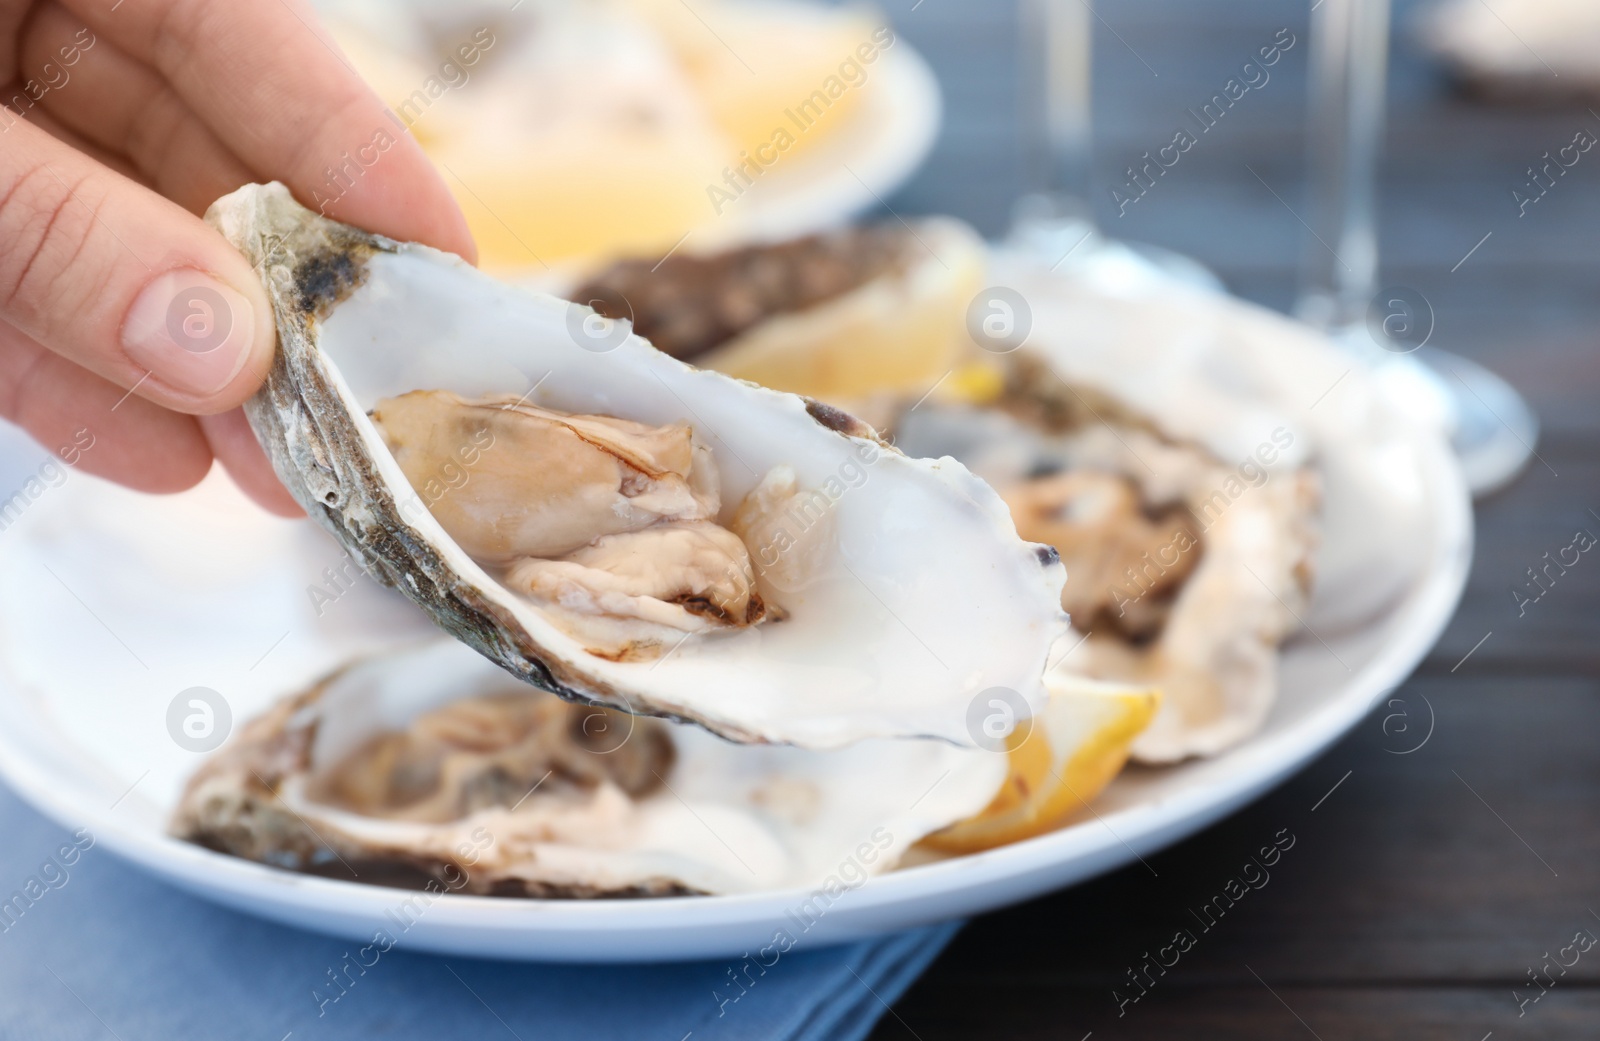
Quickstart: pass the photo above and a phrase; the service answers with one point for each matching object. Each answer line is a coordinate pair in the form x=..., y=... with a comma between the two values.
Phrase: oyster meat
x=610, y=525
x=619, y=528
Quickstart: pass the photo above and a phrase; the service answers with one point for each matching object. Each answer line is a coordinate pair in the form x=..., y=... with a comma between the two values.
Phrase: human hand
x=127, y=324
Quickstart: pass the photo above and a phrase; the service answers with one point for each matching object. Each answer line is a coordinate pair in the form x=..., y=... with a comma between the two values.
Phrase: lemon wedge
x=1060, y=760
x=901, y=333
x=975, y=382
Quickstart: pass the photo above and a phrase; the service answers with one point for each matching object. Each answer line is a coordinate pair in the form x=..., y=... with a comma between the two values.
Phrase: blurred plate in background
x=575, y=133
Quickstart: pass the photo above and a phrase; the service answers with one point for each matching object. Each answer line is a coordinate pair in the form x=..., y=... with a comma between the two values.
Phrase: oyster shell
x=1184, y=573
x=434, y=769
x=916, y=594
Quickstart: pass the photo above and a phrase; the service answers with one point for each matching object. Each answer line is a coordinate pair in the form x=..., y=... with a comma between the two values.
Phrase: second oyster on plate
x=433, y=769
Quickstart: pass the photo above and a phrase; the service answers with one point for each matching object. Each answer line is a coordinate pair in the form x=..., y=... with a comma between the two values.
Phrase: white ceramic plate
x=84, y=734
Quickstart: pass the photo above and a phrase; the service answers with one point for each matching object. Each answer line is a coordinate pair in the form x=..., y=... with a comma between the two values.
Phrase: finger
x=94, y=425
x=120, y=105
x=236, y=448
x=308, y=121
x=125, y=283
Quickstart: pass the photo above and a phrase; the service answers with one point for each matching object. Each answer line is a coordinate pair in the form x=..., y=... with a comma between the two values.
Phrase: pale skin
x=125, y=121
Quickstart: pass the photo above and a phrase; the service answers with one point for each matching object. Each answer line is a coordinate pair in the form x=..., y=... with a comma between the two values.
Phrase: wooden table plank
x=1238, y=1012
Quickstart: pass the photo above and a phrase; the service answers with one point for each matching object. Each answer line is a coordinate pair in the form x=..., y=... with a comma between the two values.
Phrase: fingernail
x=190, y=331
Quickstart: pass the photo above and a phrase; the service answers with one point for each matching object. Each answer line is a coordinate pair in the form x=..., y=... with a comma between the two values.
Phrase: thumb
x=126, y=284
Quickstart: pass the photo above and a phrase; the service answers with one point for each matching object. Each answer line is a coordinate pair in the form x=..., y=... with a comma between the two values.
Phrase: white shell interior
x=928, y=601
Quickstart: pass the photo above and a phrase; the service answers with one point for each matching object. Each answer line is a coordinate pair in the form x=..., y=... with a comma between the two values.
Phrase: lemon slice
x=1060, y=760
x=902, y=333
x=646, y=193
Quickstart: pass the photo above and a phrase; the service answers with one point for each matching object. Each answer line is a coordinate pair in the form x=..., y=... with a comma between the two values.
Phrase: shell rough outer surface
x=922, y=599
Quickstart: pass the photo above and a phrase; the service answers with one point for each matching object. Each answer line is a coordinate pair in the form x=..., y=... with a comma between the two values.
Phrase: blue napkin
x=107, y=952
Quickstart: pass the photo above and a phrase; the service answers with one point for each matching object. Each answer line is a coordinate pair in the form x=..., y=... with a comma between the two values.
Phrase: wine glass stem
x=1055, y=70
x=1349, y=67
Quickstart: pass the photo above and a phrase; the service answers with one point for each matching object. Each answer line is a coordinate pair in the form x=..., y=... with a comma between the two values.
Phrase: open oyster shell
x=433, y=769
x=916, y=595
